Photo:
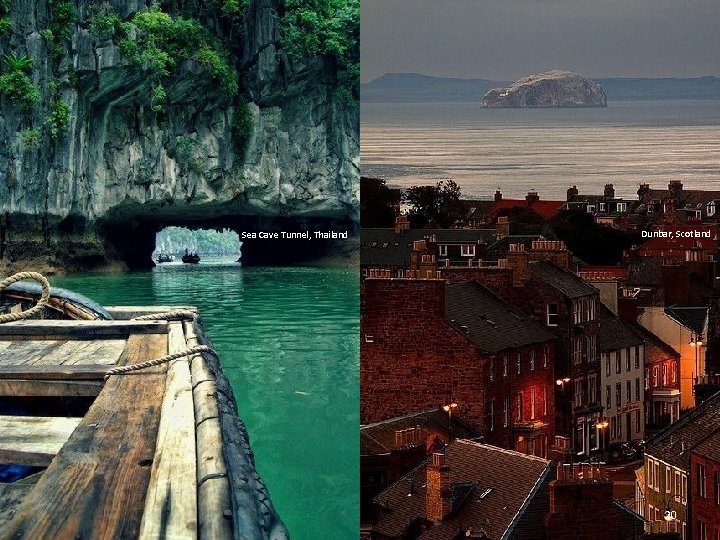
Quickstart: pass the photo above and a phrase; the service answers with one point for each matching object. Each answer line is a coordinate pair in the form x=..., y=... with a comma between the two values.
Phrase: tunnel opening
x=265, y=240
x=182, y=245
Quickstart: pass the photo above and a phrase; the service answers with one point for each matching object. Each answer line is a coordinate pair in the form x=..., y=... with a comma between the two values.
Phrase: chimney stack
x=609, y=191
x=532, y=197
x=502, y=227
x=438, y=499
x=675, y=187
x=402, y=223
x=498, y=195
x=643, y=190
x=517, y=259
x=571, y=192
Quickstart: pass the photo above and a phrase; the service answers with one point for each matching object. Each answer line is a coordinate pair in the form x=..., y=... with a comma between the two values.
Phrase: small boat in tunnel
x=165, y=258
x=192, y=258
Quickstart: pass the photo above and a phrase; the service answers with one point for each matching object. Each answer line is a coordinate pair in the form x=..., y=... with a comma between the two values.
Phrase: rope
x=176, y=314
x=168, y=358
x=37, y=308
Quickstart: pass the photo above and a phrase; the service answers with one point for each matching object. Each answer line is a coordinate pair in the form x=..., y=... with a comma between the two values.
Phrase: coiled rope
x=173, y=315
x=37, y=308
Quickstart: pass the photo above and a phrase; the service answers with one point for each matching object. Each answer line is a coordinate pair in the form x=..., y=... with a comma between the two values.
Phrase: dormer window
x=602, y=206
x=711, y=208
x=590, y=208
x=467, y=250
x=442, y=250
x=621, y=207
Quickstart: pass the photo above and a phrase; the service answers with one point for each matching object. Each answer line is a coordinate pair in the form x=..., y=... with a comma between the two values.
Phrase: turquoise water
x=288, y=339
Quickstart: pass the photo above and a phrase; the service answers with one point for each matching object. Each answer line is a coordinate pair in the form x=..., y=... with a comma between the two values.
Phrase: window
x=607, y=365
x=627, y=360
x=702, y=491
x=519, y=407
x=628, y=395
x=650, y=482
x=578, y=392
x=621, y=206
x=711, y=208
x=637, y=389
x=683, y=490
x=637, y=357
x=577, y=350
x=677, y=491
x=655, y=377
x=505, y=366
x=673, y=372
x=668, y=479
x=545, y=401
x=590, y=208
x=638, y=427
x=702, y=530
x=546, y=354
x=613, y=427
x=467, y=250
x=491, y=370
x=647, y=378
x=608, y=396
x=506, y=406
x=532, y=360
x=664, y=374
x=618, y=394
x=576, y=311
x=532, y=403
x=519, y=362
x=618, y=363
x=491, y=413
x=552, y=314
x=592, y=389
x=602, y=206
x=442, y=250
x=369, y=338
x=656, y=474
x=716, y=487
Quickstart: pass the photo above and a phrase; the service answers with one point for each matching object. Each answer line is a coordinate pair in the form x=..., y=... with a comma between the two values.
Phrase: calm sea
x=288, y=341
x=548, y=150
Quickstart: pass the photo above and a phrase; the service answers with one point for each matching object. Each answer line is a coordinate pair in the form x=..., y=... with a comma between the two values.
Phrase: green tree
x=378, y=203
x=438, y=204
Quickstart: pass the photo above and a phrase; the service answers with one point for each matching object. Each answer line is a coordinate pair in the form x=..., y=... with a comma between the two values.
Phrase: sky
x=507, y=39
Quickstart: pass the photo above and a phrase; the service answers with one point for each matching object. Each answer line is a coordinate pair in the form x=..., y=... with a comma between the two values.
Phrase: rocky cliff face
x=121, y=166
x=551, y=89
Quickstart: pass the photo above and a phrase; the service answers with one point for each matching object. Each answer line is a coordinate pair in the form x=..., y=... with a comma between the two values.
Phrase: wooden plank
x=30, y=388
x=214, y=489
x=83, y=372
x=171, y=501
x=28, y=352
x=95, y=487
x=124, y=313
x=81, y=329
x=12, y=496
x=105, y=351
x=32, y=440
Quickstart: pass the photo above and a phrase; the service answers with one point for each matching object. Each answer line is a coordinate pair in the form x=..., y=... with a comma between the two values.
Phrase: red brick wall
x=581, y=511
x=704, y=508
x=410, y=359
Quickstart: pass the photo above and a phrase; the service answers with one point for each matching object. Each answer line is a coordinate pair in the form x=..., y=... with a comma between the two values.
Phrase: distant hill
x=413, y=87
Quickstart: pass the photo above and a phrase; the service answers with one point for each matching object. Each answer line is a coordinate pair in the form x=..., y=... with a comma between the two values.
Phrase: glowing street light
x=449, y=409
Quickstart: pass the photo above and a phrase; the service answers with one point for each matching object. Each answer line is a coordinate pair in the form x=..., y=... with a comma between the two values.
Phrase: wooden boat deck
x=146, y=459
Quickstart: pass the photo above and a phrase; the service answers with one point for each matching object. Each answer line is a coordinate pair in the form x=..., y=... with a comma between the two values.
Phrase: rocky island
x=547, y=90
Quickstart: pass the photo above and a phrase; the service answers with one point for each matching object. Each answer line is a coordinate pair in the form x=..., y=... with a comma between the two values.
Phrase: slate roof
x=674, y=444
x=614, y=333
x=561, y=279
x=645, y=271
x=383, y=247
x=692, y=318
x=379, y=438
x=491, y=324
x=710, y=447
x=512, y=478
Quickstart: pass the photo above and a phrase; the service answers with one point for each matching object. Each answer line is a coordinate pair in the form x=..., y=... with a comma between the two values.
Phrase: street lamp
x=449, y=409
x=562, y=382
x=696, y=341
x=601, y=426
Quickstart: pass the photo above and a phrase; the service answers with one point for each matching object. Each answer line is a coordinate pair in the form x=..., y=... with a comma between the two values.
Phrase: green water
x=288, y=339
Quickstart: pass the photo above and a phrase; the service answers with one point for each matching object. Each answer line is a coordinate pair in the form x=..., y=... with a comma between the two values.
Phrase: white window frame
x=442, y=250
x=621, y=207
x=506, y=407
x=467, y=250
x=532, y=360
x=711, y=208
x=554, y=314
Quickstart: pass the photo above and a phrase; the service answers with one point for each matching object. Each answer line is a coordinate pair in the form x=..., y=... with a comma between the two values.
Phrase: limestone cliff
x=550, y=89
x=95, y=154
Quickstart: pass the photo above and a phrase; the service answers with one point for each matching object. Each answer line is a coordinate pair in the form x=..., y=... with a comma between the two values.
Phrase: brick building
x=667, y=473
x=705, y=488
x=391, y=448
x=426, y=344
